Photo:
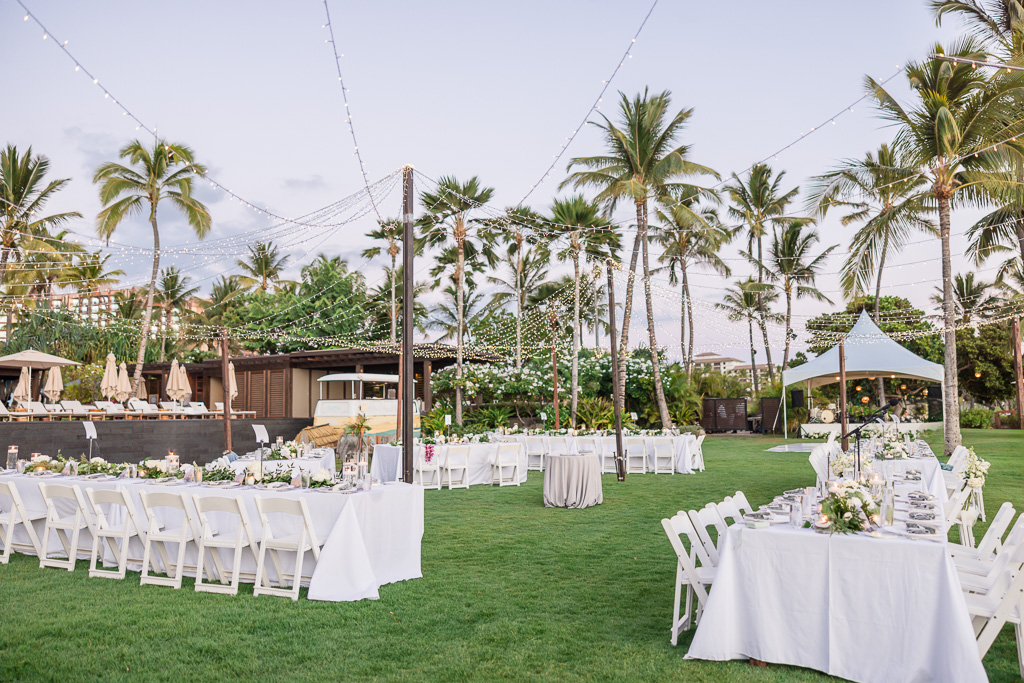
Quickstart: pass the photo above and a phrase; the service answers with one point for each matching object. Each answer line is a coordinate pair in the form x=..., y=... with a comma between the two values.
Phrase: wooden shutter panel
x=241, y=383
x=258, y=393
x=275, y=393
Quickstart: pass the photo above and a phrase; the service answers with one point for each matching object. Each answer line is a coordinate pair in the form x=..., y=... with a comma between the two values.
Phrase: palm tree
x=970, y=297
x=790, y=263
x=128, y=306
x=46, y=264
x=687, y=243
x=759, y=203
x=744, y=301
x=641, y=163
x=587, y=234
x=163, y=172
x=949, y=134
x=262, y=267
x=446, y=317
x=24, y=192
x=225, y=295
x=382, y=304
x=89, y=272
x=999, y=21
x=390, y=233
x=888, y=201
x=173, y=296
x=446, y=224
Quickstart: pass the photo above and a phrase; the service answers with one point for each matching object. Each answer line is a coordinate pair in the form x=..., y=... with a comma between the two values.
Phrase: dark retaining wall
x=132, y=440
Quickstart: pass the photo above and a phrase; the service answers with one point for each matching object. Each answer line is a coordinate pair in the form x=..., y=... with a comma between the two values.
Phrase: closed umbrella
x=173, y=387
x=109, y=384
x=124, y=385
x=54, y=385
x=232, y=384
x=23, y=392
x=186, y=387
x=142, y=392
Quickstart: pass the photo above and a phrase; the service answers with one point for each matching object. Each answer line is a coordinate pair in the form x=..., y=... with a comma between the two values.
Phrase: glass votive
x=12, y=457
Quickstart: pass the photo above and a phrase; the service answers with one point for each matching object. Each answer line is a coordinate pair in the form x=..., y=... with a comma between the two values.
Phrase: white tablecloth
x=480, y=457
x=386, y=463
x=369, y=538
x=862, y=608
x=572, y=481
x=683, y=445
x=312, y=465
x=931, y=473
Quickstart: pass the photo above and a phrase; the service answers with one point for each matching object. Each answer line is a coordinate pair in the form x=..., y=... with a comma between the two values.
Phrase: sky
x=453, y=88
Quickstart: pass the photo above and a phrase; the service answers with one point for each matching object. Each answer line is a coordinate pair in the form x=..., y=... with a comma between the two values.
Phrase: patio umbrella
x=54, y=384
x=23, y=392
x=174, y=387
x=186, y=387
x=33, y=359
x=232, y=384
x=142, y=392
x=124, y=385
x=108, y=386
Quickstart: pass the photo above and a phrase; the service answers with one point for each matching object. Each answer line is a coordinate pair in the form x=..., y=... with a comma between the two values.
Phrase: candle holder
x=12, y=457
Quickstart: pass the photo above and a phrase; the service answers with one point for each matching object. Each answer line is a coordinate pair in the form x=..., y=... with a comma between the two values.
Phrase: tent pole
x=842, y=396
x=785, y=420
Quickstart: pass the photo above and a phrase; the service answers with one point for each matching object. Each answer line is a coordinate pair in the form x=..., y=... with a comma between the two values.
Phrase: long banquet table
x=683, y=445
x=320, y=459
x=370, y=538
x=854, y=606
x=387, y=461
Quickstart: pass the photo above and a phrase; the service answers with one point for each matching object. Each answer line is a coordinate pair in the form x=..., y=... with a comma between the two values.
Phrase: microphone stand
x=876, y=416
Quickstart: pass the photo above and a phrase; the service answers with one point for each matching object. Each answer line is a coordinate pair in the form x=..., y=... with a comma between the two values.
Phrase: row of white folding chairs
x=992, y=577
x=111, y=517
x=695, y=570
x=662, y=459
x=504, y=467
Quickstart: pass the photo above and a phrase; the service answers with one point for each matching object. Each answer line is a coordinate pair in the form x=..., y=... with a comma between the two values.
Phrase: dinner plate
x=922, y=531
x=274, y=486
x=163, y=481
x=922, y=516
x=222, y=484
x=47, y=473
x=99, y=476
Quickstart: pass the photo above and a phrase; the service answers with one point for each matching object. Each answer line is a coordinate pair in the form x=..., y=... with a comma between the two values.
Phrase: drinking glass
x=794, y=515
x=12, y=457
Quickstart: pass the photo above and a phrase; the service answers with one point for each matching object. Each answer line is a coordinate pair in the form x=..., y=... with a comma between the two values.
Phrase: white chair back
x=607, y=454
x=456, y=461
x=697, y=458
x=687, y=574
x=56, y=497
x=159, y=508
x=117, y=530
x=12, y=515
x=702, y=520
x=505, y=466
x=740, y=500
x=274, y=544
x=212, y=539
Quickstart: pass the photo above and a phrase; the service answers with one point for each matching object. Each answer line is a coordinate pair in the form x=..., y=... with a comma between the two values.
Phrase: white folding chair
x=558, y=445
x=506, y=459
x=689, y=575
x=456, y=460
x=536, y=450
x=1003, y=603
x=608, y=455
x=210, y=539
x=703, y=519
x=117, y=526
x=13, y=514
x=62, y=523
x=160, y=534
x=818, y=458
x=588, y=445
x=305, y=540
x=739, y=499
x=728, y=511
x=955, y=513
x=664, y=455
x=426, y=473
x=991, y=542
x=982, y=566
x=697, y=460
x=636, y=454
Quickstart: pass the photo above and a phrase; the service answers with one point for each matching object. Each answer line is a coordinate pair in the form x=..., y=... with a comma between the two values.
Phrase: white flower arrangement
x=976, y=470
x=841, y=463
x=41, y=458
x=322, y=476
x=894, y=450
x=97, y=461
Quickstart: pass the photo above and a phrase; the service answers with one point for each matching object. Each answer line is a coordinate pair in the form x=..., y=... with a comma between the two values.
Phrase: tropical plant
x=128, y=306
x=642, y=163
x=759, y=204
x=446, y=224
x=999, y=21
x=263, y=267
x=164, y=172
x=24, y=193
x=389, y=232
x=971, y=297
x=743, y=301
x=596, y=413
x=173, y=296
x=950, y=133
x=89, y=272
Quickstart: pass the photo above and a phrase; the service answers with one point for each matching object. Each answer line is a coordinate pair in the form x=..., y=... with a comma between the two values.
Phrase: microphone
x=893, y=402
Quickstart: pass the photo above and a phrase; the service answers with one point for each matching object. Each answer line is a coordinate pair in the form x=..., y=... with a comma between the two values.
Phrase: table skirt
x=572, y=481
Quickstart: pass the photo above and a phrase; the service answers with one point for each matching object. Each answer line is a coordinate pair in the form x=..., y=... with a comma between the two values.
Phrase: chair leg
x=299, y=557
x=95, y=554
x=179, y=570
x=261, y=566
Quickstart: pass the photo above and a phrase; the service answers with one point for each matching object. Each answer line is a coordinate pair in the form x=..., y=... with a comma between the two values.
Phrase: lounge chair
x=170, y=409
x=75, y=410
x=145, y=408
x=219, y=409
x=198, y=409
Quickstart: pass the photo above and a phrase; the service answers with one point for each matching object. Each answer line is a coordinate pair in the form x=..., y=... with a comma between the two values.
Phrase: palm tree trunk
x=682, y=316
x=627, y=309
x=951, y=385
x=575, y=341
x=519, y=302
x=147, y=315
x=789, y=319
x=597, y=321
x=659, y=389
x=459, y=272
x=5, y=254
x=163, y=334
x=753, y=355
x=878, y=297
x=689, y=314
x=762, y=321
x=394, y=303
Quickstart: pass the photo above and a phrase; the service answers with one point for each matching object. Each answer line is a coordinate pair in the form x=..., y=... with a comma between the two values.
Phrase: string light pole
x=407, y=386
x=553, y=321
x=620, y=460
x=842, y=396
x=224, y=360
x=1017, y=370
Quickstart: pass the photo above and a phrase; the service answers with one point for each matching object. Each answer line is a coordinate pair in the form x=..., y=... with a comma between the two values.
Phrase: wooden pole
x=224, y=360
x=1017, y=369
x=620, y=460
x=842, y=395
x=408, y=391
x=553, y=321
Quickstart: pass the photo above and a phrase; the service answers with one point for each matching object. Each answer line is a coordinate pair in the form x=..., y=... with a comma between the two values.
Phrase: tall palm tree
x=46, y=265
x=586, y=232
x=687, y=243
x=744, y=301
x=89, y=272
x=520, y=281
x=390, y=233
x=999, y=21
x=456, y=324
x=642, y=162
x=382, y=299
x=791, y=265
x=888, y=201
x=263, y=267
x=173, y=295
x=128, y=306
x=971, y=297
x=226, y=294
x=446, y=224
x=24, y=193
x=948, y=133
x=759, y=204
x=163, y=172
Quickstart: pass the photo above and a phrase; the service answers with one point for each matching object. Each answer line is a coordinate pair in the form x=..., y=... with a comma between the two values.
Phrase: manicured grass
x=511, y=590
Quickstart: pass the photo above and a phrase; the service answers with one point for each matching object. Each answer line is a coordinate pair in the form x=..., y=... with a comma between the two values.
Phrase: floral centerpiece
x=842, y=462
x=849, y=508
x=894, y=449
x=218, y=473
x=44, y=463
x=321, y=479
x=975, y=470
x=289, y=450
x=98, y=465
x=157, y=469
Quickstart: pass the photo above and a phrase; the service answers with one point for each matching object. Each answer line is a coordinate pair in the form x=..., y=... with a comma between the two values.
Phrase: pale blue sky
x=460, y=88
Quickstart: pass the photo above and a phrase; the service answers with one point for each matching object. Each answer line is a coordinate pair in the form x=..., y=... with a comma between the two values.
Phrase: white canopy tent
x=869, y=353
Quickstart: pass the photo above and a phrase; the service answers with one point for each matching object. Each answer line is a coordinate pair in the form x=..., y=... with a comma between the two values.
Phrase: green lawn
x=511, y=590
